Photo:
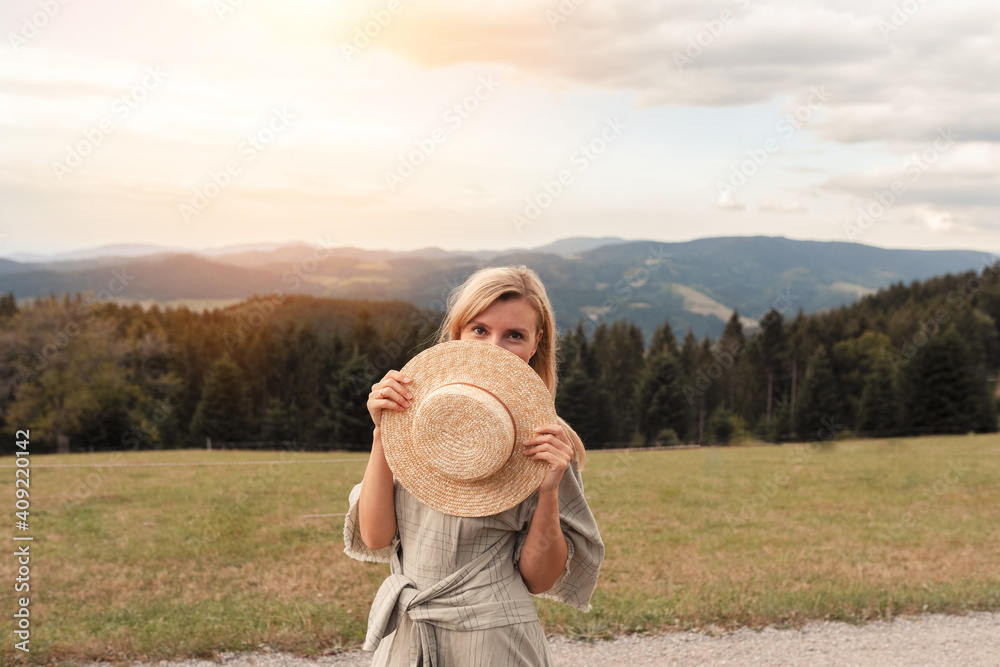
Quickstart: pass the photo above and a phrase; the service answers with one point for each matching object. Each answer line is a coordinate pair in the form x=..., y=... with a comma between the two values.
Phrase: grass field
x=170, y=561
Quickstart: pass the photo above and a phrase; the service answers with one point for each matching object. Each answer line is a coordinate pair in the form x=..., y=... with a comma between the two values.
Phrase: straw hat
x=457, y=447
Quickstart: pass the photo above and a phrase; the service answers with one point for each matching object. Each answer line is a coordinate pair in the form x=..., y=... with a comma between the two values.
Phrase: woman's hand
x=550, y=444
x=544, y=554
x=376, y=505
x=388, y=392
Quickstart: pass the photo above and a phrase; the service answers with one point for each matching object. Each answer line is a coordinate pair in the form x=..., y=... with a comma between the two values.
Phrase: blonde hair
x=488, y=284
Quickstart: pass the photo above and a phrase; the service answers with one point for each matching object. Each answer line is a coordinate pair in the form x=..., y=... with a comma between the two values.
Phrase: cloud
x=898, y=85
x=954, y=189
x=726, y=202
x=777, y=206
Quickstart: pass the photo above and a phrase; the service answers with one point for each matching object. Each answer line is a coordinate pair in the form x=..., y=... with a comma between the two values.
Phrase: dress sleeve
x=585, y=549
x=353, y=544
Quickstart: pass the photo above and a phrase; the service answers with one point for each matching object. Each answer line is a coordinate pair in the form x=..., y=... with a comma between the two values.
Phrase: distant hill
x=695, y=284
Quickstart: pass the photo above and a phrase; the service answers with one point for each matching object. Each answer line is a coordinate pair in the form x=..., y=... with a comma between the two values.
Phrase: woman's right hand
x=389, y=392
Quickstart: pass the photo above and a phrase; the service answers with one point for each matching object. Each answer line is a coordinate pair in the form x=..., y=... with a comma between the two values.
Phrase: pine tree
x=223, y=411
x=781, y=429
x=664, y=340
x=694, y=394
x=819, y=402
x=729, y=350
x=720, y=426
x=584, y=404
x=281, y=424
x=943, y=390
x=773, y=343
x=659, y=397
x=8, y=305
x=345, y=420
x=880, y=410
x=618, y=352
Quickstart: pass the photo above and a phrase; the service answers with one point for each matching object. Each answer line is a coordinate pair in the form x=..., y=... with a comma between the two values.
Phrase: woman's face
x=510, y=323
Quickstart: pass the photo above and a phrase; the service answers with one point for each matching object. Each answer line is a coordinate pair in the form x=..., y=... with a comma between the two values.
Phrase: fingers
x=390, y=392
x=395, y=398
x=554, y=429
x=556, y=440
x=550, y=449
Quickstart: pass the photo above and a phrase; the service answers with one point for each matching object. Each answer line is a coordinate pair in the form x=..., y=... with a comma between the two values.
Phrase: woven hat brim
x=505, y=375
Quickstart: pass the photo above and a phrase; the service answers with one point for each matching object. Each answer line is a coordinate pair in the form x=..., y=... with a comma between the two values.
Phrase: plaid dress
x=455, y=596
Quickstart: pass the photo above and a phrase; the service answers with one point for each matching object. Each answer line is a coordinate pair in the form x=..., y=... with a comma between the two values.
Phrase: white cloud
x=727, y=202
x=779, y=206
x=888, y=93
x=929, y=72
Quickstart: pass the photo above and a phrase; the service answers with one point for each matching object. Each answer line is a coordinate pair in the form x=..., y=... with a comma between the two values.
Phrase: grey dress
x=455, y=596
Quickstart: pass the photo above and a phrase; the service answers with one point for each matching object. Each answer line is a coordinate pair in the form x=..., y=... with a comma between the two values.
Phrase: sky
x=402, y=124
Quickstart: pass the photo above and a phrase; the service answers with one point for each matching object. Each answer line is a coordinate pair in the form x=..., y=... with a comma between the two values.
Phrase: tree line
x=88, y=375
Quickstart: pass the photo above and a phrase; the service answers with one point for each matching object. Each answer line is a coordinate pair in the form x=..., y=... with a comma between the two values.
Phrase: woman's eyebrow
x=519, y=330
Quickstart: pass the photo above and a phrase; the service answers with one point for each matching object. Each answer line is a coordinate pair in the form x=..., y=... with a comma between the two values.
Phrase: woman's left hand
x=550, y=444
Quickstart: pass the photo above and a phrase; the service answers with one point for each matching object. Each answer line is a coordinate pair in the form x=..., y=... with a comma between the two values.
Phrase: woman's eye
x=516, y=334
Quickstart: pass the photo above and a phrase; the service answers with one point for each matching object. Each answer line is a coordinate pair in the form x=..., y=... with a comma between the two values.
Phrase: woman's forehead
x=511, y=313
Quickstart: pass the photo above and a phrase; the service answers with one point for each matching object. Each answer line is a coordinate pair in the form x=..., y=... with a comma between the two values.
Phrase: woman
x=548, y=545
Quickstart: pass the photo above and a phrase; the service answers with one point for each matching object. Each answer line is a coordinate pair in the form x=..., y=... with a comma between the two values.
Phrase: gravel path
x=931, y=639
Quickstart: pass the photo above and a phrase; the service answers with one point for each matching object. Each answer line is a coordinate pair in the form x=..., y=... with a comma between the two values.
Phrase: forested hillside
x=693, y=284
x=90, y=374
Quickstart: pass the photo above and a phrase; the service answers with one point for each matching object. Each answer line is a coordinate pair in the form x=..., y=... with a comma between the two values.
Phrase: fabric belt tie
x=440, y=605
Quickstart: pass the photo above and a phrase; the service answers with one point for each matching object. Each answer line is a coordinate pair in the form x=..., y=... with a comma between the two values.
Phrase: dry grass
x=164, y=562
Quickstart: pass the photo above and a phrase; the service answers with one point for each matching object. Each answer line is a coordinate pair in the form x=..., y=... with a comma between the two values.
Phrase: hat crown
x=465, y=431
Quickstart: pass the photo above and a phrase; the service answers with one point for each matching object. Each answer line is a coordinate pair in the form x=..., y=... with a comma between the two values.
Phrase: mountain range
x=695, y=284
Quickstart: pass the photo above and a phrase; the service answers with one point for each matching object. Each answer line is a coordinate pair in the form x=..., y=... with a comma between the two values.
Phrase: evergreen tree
x=781, y=429
x=880, y=410
x=943, y=391
x=772, y=340
x=819, y=401
x=729, y=350
x=659, y=397
x=663, y=340
x=694, y=394
x=584, y=404
x=8, y=305
x=281, y=424
x=223, y=411
x=720, y=426
x=345, y=421
x=618, y=353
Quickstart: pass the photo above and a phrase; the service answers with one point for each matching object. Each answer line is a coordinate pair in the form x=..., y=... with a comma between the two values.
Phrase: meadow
x=167, y=561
